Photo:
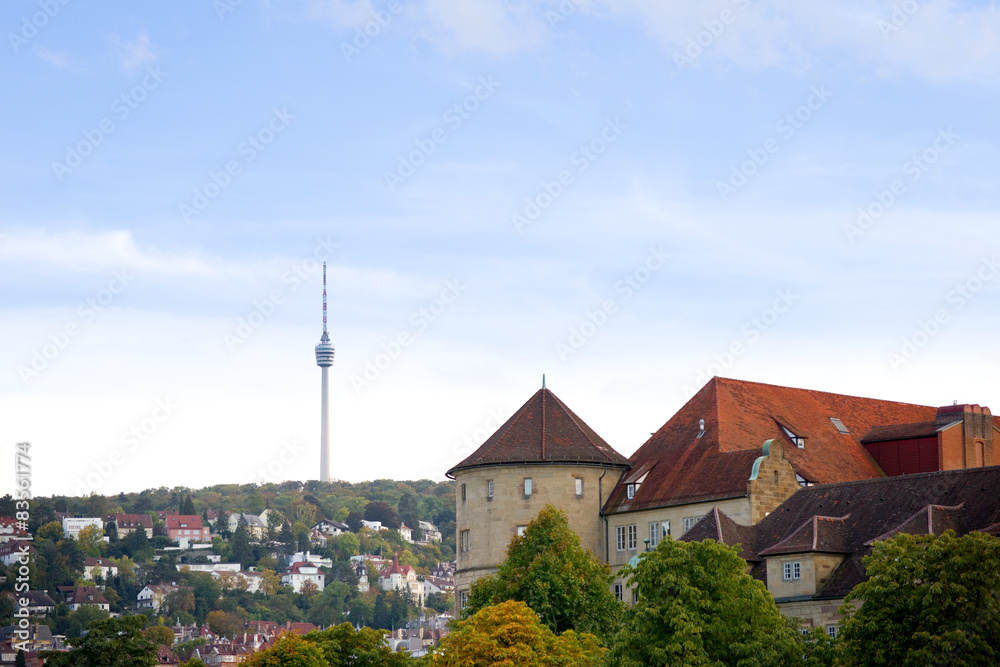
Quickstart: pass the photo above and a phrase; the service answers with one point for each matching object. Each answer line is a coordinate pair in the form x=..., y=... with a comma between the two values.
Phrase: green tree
x=51, y=531
x=159, y=634
x=224, y=624
x=188, y=508
x=242, y=551
x=511, y=633
x=362, y=612
x=113, y=642
x=550, y=570
x=928, y=600
x=384, y=512
x=697, y=606
x=20, y=660
x=342, y=646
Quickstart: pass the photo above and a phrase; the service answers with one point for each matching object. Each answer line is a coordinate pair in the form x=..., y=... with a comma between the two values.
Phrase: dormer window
x=797, y=440
x=630, y=491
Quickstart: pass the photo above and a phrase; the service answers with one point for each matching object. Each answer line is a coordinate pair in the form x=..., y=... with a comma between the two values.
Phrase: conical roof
x=543, y=430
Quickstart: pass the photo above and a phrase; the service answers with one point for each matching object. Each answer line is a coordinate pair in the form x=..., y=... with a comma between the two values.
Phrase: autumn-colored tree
x=343, y=646
x=224, y=623
x=928, y=600
x=697, y=606
x=159, y=634
x=309, y=588
x=53, y=530
x=559, y=578
x=270, y=582
x=289, y=651
x=510, y=633
x=91, y=541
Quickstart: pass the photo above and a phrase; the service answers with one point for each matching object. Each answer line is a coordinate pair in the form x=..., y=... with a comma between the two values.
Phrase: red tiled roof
x=739, y=417
x=543, y=430
x=183, y=522
x=133, y=521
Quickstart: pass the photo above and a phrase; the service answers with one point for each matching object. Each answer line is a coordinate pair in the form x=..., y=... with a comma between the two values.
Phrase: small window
x=489, y=489
x=840, y=426
x=465, y=541
x=630, y=491
x=527, y=486
x=633, y=537
x=654, y=533
x=463, y=493
x=463, y=599
x=797, y=440
x=792, y=571
x=665, y=529
x=804, y=631
x=619, y=592
x=620, y=535
x=579, y=486
x=775, y=476
x=688, y=523
x=831, y=630
x=520, y=530
x=635, y=596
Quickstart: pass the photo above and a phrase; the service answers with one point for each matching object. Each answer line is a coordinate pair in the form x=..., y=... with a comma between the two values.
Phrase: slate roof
x=847, y=517
x=85, y=595
x=739, y=417
x=133, y=521
x=543, y=430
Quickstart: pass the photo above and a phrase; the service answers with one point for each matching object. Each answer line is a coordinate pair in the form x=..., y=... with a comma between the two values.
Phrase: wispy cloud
x=133, y=55
x=57, y=59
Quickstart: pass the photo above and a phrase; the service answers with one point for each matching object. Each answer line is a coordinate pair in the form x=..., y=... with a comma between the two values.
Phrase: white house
x=331, y=528
x=403, y=578
x=307, y=557
x=101, y=566
x=152, y=597
x=301, y=572
x=406, y=533
x=73, y=525
x=257, y=527
x=373, y=525
x=209, y=567
x=430, y=532
x=253, y=579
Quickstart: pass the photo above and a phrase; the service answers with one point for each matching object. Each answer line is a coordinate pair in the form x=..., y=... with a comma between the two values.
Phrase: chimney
x=976, y=447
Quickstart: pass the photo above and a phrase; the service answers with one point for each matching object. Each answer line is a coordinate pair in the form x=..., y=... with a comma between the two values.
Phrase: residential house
x=99, y=566
x=258, y=529
x=86, y=596
x=372, y=525
x=12, y=530
x=39, y=602
x=187, y=527
x=154, y=595
x=16, y=551
x=73, y=525
x=331, y=528
x=406, y=533
x=429, y=532
x=301, y=572
x=307, y=557
x=164, y=656
x=127, y=523
x=809, y=550
x=404, y=579
x=362, y=571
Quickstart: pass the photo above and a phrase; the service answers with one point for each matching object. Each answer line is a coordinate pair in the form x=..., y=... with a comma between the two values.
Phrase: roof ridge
x=505, y=427
x=544, y=391
x=819, y=391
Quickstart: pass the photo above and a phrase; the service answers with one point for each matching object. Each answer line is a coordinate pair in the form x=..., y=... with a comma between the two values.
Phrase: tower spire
x=324, y=359
x=324, y=297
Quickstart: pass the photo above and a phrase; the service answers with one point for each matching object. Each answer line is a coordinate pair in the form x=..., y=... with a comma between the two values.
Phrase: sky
x=628, y=196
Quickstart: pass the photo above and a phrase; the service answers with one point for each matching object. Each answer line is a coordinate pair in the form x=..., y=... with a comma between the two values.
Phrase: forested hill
x=299, y=502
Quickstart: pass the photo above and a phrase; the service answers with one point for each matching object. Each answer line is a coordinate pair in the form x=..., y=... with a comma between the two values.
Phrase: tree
x=362, y=612
x=188, y=508
x=159, y=634
x=550, y=570
x=342, y=646
x=287, y=537
x=408, y=508
x=384, y=512
x=440, y=602
x=309, y=588
x=91, y=541
x=928, y=600
x=289, y=651
x=270, y=582
x=511, y=633
x=20, y=660
x=353, y=521
x=224, y=624
x=242, y=551
x=113, y=642
x=697, y=606
x=51, y=531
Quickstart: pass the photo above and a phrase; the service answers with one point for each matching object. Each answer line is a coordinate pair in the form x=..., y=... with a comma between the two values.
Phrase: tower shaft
x=324, y=439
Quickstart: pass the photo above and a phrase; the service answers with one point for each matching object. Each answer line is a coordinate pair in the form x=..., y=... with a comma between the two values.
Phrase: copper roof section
x=543, y=430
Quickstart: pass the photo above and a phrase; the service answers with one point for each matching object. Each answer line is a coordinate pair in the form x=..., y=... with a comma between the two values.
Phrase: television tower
x=324, y=359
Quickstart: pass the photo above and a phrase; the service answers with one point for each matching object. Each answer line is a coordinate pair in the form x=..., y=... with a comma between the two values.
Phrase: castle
x=746, y=456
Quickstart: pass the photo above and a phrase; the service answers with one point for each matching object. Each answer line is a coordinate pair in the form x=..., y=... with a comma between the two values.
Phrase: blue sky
x=627, y=196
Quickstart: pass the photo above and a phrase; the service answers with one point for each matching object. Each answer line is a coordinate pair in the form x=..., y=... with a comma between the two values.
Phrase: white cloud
x=133, y=55
x=493, y=26
x=57, y=59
